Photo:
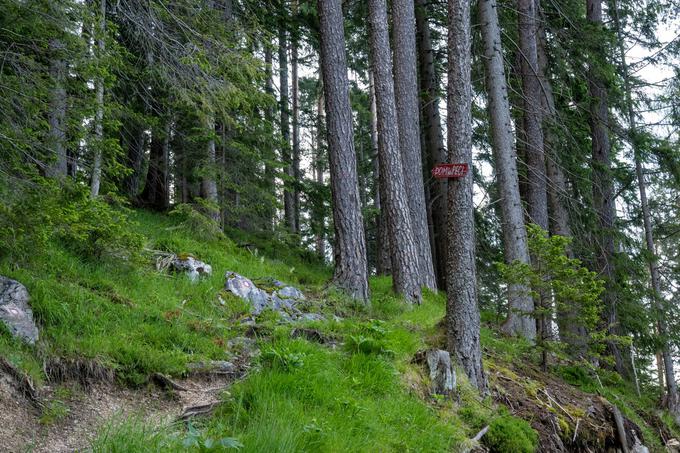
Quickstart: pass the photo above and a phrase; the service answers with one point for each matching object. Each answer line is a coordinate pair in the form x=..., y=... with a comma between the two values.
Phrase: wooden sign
x=448, y=171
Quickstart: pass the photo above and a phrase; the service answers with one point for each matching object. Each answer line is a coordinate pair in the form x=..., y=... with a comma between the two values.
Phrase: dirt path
x=71, y=415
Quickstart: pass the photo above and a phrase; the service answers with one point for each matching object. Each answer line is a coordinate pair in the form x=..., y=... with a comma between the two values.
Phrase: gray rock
x=212, y=367
x=289, y=292
x=193, y=267
x=638, y=447
x=442, y=376
x=311, y=317
x=15, y=311
x=246, y=289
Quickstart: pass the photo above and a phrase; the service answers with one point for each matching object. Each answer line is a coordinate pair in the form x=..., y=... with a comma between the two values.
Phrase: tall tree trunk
x=99, y=101
x=288, y=194
x=269, y=174
x=658, y=302
x=319, y=168
x=156, y=194
x=297, y=177
x=351, y=269
x=571, y=330
x=603, y=191
x=209, y=182
x=404, y=253
x=56, y=117
x=462, y=313
x=537, y=198
x=521, y=305
x=383, y=265
x=134, y=137
x=537, y=192
x=408, y=122
x=433, y=139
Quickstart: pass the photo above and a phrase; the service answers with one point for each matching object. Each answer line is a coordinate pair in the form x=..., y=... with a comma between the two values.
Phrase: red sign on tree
x=447, y=171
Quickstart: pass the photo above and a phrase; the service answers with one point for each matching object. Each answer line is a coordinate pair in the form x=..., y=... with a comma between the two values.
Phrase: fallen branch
x=165, y=382
x=480, y=434
x=578, y=420
x=198, y=410
x=618, y=419
x=22, y=380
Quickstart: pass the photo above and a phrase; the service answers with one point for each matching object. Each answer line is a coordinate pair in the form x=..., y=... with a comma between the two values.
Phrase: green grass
x=364, y=394
x=131, y=317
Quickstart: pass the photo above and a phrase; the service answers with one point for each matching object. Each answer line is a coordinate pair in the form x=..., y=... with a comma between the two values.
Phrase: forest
x=340, y=225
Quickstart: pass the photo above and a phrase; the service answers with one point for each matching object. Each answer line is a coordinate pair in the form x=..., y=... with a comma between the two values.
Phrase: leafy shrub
x=94, y=228
x=283, y=358
x=360, y=344
x=33, y=215
x=198, y=220
x=510, y=435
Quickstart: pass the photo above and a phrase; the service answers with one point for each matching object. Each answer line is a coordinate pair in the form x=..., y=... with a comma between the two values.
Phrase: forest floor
x=111, y=371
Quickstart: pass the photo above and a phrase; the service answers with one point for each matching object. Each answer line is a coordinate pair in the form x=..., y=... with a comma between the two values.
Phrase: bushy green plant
x=283, y=358
x=198, y=220
x=98, y=227
x=508, y=434
x=553, y=274
x=31, y=217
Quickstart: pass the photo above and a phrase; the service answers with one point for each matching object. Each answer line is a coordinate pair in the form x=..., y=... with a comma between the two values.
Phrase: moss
x=509, y=434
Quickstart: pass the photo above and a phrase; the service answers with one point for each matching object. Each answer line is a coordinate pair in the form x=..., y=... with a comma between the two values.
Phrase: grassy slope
x=364, y=396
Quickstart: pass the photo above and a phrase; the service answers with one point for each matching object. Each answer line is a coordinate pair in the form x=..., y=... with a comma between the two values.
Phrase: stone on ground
x=15, y=311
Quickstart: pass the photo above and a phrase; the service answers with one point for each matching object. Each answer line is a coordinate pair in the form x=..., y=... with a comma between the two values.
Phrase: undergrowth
x=361, y=393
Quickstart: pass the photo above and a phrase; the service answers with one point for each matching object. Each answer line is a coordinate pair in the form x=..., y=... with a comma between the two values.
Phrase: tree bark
x=658, y=302
x=270, y=180
x=99, y=114
x=408, y=122
x=383, y=265
x=521, y=306
x=56, y=116
x=156, y=193
x=351, y=269
x=571, y=330
x=288, y=195
x=433, y=139
x=537, y=193
x=603, y=192
x=319, y=168
x=134, y=137
x=462, y=312
x=404, y=253
x=297, y=177
x=208, y=182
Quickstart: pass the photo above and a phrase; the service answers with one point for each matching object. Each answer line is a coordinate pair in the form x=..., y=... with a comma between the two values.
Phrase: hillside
x=126, y=348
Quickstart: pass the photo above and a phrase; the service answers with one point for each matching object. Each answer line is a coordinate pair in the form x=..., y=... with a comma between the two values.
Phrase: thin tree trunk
x=672, y=397
x=603, y=193
x=288, y=195
x=56, y=117
x=383, y=265
x=462, y=312
x=537, y=193
x=319, y=167
x=404, y=253
x=208, y=183
x=433, y=139
x=408, y=122
x=297, y=177
x=135, y=138
x=571, y=330
x=99, y=101
x=270, y=180
x=351, y=269
x=521, y=305
x=156, y=194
